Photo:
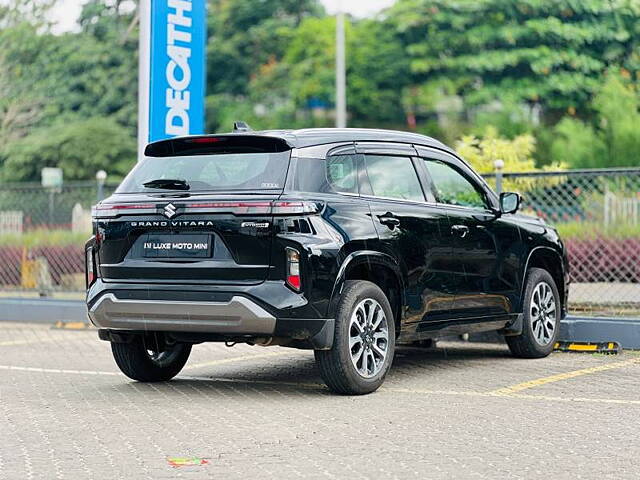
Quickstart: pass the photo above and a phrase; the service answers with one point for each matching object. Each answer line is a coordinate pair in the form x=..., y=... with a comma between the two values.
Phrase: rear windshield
x=222, y=172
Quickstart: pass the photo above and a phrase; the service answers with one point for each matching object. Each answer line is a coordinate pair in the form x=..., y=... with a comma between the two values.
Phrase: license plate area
x=176, y=246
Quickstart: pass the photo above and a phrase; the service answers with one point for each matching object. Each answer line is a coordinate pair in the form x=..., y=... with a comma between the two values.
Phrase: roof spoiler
x=216, y=144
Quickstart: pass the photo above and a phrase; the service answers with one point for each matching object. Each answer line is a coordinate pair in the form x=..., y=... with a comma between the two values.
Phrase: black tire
x=528, y=345
x=336, y=365
x=163, y=363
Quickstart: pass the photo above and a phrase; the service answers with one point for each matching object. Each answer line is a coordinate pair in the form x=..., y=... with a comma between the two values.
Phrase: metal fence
x=597, y=213
x=42, y=233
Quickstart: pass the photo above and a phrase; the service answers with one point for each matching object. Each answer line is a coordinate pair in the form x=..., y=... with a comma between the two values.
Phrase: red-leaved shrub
x=604, y=259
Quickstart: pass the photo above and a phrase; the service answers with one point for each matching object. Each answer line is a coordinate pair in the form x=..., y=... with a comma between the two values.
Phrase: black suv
x=344, y=241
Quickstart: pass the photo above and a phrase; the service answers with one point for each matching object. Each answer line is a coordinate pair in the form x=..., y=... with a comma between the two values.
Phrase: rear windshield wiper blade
x=168, y=183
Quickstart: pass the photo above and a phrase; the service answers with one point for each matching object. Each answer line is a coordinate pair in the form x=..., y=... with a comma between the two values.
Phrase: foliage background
x=538, y=82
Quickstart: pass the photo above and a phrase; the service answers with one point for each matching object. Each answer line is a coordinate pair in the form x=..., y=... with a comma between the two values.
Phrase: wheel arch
x=376, y=267
x=550, y=260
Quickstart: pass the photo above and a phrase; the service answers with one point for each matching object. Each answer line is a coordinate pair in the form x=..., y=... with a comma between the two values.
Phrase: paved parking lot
x=460, y=411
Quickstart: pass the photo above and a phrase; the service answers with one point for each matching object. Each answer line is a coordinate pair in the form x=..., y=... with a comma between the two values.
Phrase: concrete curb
x=42, y=310
x=625, y=331
x=578, y=329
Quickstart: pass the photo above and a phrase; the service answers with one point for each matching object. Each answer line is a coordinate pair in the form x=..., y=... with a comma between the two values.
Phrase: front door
x=485, y=257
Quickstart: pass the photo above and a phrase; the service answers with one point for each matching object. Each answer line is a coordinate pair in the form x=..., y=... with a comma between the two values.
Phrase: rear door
x=217, y=231
x=408, y=228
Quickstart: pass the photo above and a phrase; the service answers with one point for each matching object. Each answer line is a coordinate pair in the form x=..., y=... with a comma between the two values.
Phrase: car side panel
x=343, y=227
x=417, y=246
x=489, y=258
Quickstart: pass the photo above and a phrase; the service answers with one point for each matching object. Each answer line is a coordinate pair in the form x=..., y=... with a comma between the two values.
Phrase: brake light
x=205, y=140
x=293, y=269
x=90, y=267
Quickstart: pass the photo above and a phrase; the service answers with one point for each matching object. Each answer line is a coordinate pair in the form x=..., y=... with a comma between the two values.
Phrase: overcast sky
x=66, y=12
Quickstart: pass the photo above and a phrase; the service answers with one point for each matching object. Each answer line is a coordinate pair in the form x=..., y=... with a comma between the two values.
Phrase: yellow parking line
x=617, y=401
x=563, y=376
x=72, y=326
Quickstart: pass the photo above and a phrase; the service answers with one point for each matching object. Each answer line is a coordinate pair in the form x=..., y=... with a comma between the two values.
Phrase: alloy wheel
x=542, y=313
x=368, y=338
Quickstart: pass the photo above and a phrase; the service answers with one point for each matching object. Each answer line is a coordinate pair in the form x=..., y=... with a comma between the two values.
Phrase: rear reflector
x=293, y=269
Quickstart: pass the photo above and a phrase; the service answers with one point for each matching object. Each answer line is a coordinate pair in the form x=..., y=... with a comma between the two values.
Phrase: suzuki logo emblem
x=169, y=210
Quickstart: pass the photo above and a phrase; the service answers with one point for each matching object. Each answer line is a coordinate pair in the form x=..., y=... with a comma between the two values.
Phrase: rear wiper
x=168, y=183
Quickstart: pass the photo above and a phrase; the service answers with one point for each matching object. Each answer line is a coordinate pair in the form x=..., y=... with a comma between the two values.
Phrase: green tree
x=617, y=104
x=550, y=52
x=244, y=35
x=80, y=148
x=579, y=144
x=300, y=88
x=614, y=138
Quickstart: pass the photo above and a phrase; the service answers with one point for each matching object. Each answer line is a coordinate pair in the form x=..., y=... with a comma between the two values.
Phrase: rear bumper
x=200, y=316
x=237, y=316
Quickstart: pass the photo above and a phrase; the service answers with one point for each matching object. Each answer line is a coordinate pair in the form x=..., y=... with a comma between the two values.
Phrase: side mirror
x=509, y=202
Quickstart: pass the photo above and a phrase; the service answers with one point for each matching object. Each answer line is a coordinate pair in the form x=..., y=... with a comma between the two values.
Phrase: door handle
x=460, y=230
x=390, y=220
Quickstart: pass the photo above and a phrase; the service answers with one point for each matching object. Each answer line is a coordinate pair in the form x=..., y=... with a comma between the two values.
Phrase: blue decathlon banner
x=177, y=68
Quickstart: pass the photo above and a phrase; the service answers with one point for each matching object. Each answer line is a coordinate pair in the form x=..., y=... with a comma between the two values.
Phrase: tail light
x=114, y=210
x=295, y=208
x=293, y=269
x=90, y=267
x=235, y=208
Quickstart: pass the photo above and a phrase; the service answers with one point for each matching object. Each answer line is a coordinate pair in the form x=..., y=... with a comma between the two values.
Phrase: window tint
x=452, y=188
x=342, y=173
x=335, y=174
x=393, y=177
x=239, y=171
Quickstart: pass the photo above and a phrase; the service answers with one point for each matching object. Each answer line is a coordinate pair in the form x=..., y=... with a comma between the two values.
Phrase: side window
x=393, y=177
x=342, y=173
x=335, y=174
x=452, y=187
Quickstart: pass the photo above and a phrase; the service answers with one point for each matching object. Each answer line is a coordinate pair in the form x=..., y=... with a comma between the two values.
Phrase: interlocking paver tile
x=67, y=413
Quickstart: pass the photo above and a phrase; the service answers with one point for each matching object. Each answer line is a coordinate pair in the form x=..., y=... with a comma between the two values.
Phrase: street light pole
x=144, y=74
x=341, y=76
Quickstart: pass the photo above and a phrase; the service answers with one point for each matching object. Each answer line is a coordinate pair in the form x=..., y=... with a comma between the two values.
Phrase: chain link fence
x=42, y=233
x=597, y=213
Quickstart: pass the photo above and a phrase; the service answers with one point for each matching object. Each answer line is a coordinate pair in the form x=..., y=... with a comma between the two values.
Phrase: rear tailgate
x=194, y=210
x=214, y=239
